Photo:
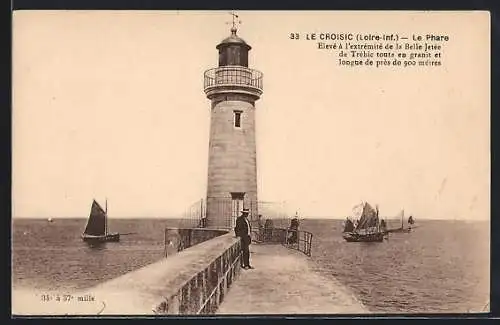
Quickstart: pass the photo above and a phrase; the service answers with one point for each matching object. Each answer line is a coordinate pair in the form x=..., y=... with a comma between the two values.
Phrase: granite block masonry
x=233, y=89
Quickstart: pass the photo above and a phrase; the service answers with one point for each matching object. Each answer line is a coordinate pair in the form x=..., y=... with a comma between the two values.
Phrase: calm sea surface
x=443, y=266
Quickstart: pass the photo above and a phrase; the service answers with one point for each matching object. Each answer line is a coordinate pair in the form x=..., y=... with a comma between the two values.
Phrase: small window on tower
x=237, y=119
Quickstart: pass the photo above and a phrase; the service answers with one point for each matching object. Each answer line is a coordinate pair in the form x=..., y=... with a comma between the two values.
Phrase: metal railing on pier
x=269, y=221
x=223, y=211
x=294, y=239
x=194, y=215
x=300, y=240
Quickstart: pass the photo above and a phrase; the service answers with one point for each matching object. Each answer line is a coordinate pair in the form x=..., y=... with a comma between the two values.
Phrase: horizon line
x=277, y=218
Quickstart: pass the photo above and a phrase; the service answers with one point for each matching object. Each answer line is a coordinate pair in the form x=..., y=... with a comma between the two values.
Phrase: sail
x=96, y=225
x=411, y=221
x=357, y=211
x=348, y=226
x=369, y=218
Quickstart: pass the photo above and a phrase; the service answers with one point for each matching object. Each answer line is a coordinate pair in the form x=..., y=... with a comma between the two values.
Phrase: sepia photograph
x=250, y=162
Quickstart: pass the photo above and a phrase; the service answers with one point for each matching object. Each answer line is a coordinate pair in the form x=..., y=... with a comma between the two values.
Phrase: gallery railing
x=233, y=75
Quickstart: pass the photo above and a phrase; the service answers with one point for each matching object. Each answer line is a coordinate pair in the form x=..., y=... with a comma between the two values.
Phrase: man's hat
x=245, y=211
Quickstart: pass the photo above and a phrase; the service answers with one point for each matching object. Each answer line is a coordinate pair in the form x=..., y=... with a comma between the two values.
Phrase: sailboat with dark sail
x=367, y=228
x=96, y=229
x=411, y=220
x=348, y=225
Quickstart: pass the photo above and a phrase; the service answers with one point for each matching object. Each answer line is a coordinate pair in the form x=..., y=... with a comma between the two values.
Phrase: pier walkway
x=283, y=282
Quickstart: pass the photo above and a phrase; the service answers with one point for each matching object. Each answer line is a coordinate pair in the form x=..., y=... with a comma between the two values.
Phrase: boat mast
x=402, y=219
x=106, y=218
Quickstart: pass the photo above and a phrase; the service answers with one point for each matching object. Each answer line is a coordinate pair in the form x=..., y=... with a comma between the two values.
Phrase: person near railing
x=243, y=230
x=203, y=222
x=268, y=230
x=293, y=230
x=261, y=228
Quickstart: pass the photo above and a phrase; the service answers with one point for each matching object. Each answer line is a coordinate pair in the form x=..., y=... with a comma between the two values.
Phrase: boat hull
x=355, y=237
x=400, y=230
x=114, y=237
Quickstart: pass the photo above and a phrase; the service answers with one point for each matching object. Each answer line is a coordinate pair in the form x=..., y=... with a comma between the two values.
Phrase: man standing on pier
x=242, y=230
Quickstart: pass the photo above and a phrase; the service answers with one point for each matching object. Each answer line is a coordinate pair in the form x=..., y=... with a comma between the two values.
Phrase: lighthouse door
x=236, y=206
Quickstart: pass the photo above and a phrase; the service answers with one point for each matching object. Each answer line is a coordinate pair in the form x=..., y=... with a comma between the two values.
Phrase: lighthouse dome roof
x=233, y=39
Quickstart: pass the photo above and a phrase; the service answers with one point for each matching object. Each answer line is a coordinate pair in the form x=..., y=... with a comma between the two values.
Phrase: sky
x=110, y=105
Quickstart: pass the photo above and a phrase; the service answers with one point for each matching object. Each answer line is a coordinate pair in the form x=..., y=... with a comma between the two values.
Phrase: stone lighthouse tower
x=233, y=88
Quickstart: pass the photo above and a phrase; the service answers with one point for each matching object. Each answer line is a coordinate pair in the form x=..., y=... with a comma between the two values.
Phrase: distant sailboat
x=367, y=228
x=96, y=229
x=50, y=219
x=411, y=221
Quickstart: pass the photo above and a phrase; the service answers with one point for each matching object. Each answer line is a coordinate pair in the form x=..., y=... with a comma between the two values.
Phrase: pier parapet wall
x=195, y=280
x=205, y=286
x=178, y=239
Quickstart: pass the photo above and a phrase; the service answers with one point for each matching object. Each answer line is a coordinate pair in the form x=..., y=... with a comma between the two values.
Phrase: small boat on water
x=367, y=228
x=402, y=229
x=50, y=220
x=411, y=221
x=96, y=229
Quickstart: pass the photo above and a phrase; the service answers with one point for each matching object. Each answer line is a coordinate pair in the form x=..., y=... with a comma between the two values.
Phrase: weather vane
x=235, y=20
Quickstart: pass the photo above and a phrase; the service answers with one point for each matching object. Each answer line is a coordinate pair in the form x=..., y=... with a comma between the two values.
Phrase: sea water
x=442, y=266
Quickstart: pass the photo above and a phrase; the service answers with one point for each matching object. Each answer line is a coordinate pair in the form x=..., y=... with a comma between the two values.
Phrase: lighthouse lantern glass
x=233, y=54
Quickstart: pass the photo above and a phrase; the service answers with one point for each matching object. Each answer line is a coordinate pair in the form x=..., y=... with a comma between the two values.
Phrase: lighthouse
x=232, y=88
